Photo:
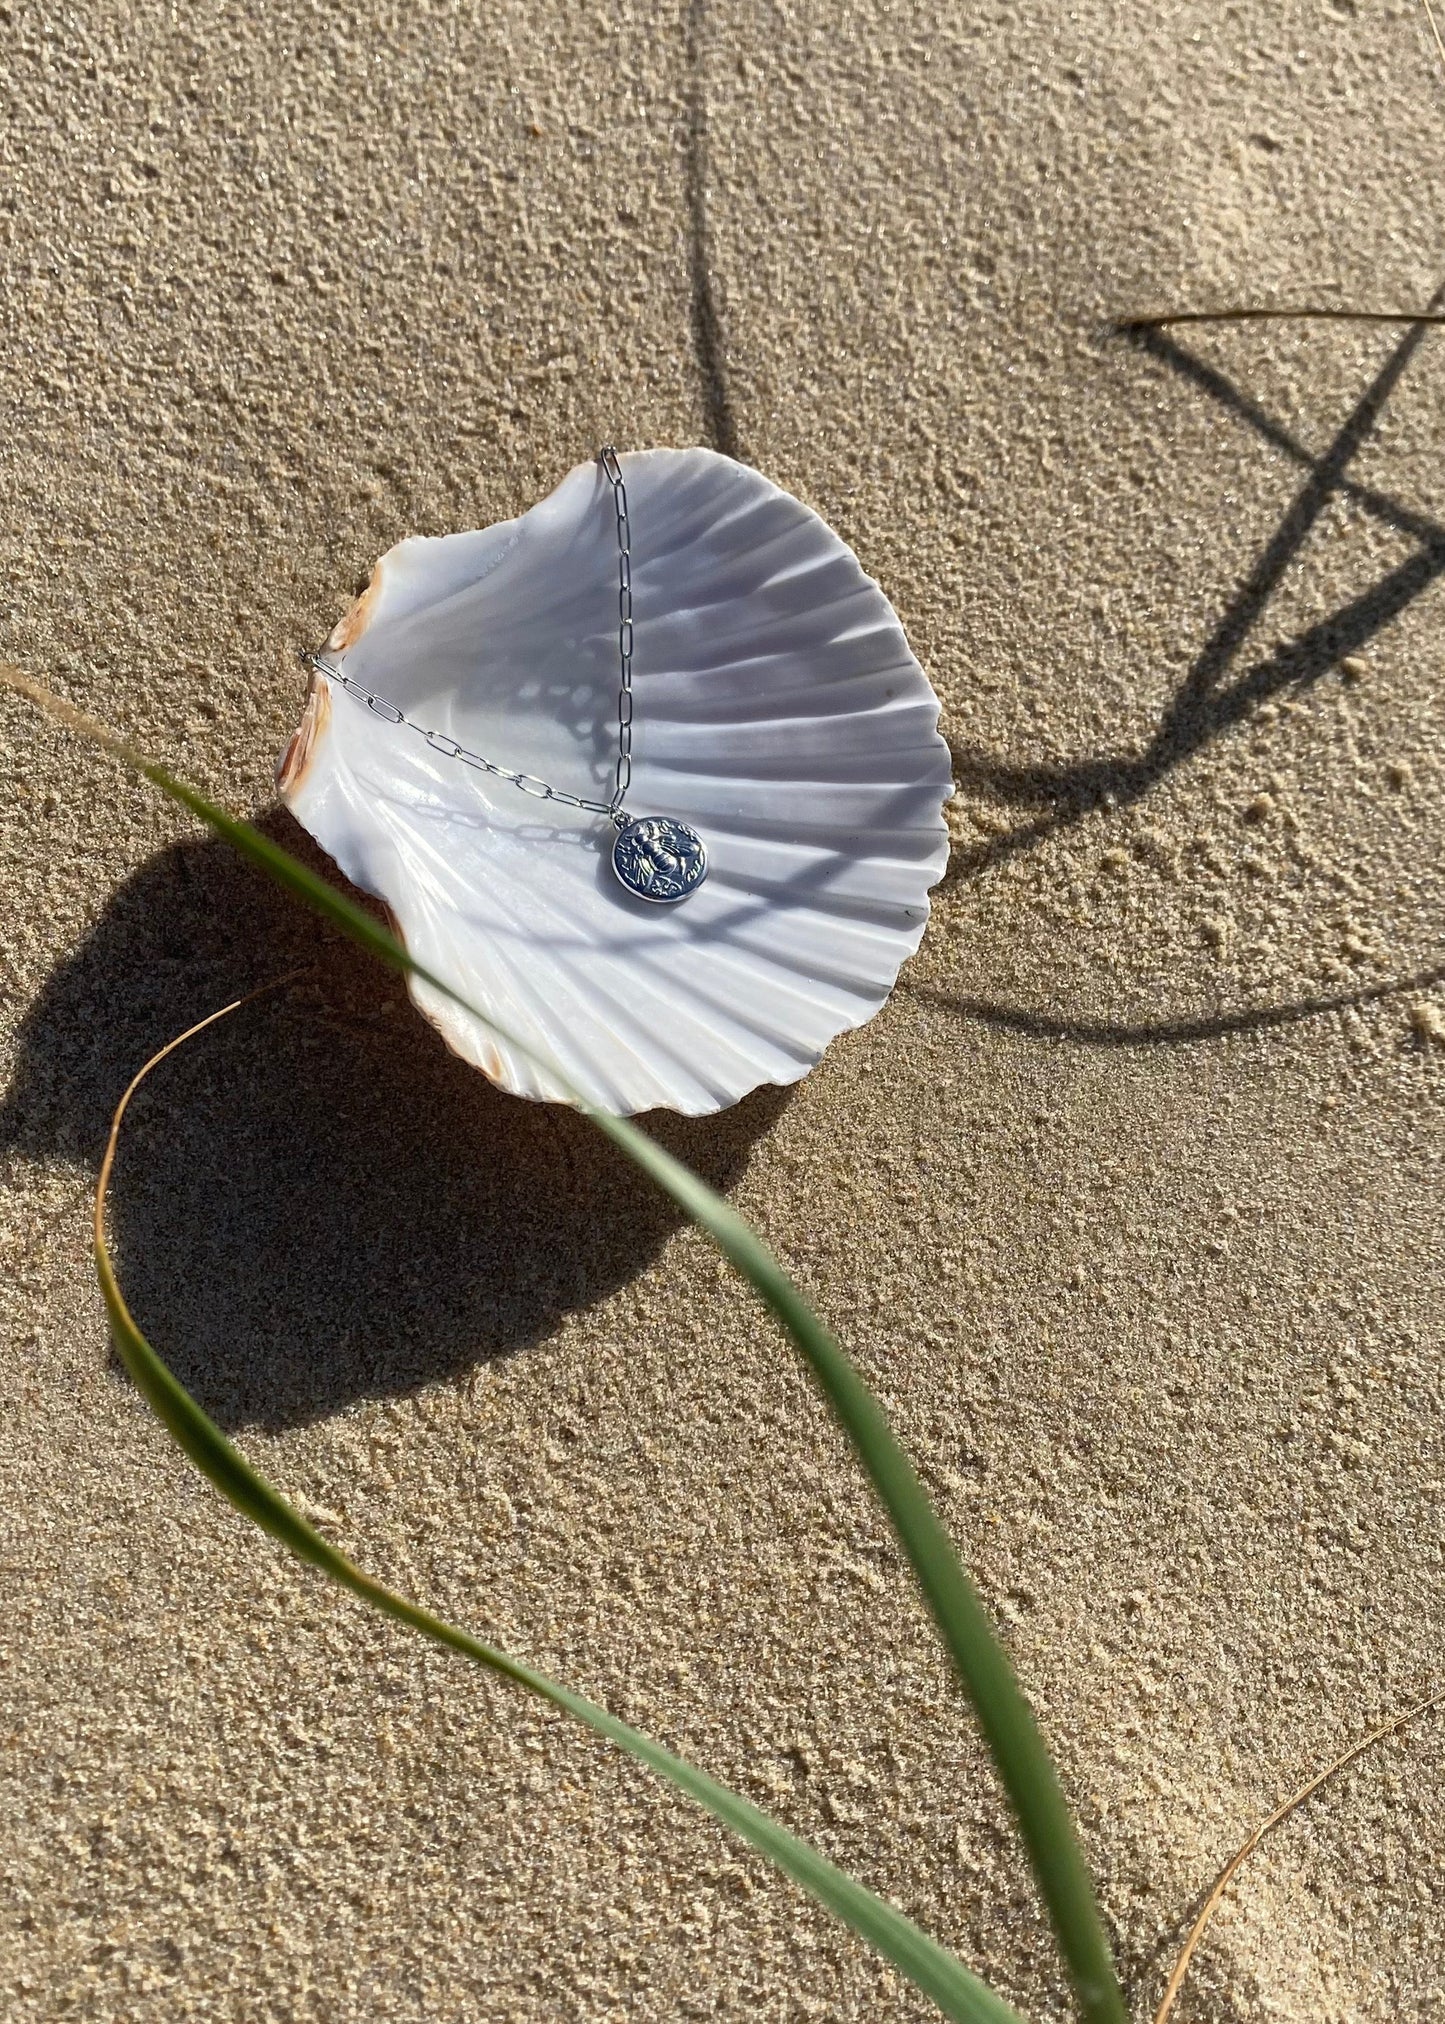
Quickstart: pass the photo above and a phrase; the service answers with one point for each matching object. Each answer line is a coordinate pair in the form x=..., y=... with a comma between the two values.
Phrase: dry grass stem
x=1281, y=1814
x=102, y=1185
x=1307, y=312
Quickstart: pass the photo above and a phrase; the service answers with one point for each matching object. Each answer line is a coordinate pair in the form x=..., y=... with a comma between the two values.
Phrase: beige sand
x=1129, y=1202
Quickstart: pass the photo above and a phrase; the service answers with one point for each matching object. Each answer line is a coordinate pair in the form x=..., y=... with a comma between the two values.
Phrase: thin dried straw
x=102, y=1185
x=1308, y=312
x=1281, y=1814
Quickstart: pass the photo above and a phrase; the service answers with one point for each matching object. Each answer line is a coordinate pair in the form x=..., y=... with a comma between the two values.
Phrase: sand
x=1128, y=1203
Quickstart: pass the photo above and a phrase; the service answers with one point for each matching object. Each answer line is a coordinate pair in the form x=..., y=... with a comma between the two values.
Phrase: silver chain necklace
x=655, y=857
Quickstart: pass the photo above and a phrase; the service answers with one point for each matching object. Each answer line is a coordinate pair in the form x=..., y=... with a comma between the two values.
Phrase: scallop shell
x=778, y=710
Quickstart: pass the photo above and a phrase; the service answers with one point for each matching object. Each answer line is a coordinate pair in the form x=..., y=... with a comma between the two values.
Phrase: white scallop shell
x=778, y=709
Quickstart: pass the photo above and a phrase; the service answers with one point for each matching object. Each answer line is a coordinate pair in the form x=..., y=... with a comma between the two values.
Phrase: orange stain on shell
x=291, y=774
x=486, y=1058
x=349, y=630
x=296, y=759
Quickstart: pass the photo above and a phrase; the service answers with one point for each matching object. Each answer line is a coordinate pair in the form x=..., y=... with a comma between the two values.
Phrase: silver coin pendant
x=659, y=859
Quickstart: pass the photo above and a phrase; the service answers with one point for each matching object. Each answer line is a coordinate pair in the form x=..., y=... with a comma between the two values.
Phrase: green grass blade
x=940, y=1974
x=1004, y=1715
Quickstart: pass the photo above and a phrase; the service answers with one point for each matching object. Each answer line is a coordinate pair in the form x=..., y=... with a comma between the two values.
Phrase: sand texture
x=1129, y=1202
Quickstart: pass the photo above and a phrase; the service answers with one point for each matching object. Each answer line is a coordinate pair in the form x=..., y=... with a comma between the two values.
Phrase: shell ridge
x=447, y=874
x=685, y=1021
x=392, y=591
x=374, y=879
x=749, y=574
x=869, y=912
x=665, y=984
x=721, y=993
x=702, y=621
x=906, y=712
x=499, y=991
x=803, y=767
x=704, y=551
x=437, y=607
x=684, y=695
x=517, y=909
x=843, y=829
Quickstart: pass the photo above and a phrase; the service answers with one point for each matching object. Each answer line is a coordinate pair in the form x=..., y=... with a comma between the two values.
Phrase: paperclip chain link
x=541, y=790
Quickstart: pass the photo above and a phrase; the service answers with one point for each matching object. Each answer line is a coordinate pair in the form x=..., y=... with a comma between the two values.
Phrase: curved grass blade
x=1018, y=1751
x=940, y=1974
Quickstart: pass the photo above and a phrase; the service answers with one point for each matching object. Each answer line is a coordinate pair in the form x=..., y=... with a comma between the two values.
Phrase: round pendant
x=658, y=859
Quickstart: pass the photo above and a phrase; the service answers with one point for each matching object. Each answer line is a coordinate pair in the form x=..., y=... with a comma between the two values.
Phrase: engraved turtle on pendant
x=660, y=859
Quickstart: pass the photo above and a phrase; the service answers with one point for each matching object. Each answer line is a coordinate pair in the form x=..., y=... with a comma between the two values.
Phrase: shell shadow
x=315, y=1201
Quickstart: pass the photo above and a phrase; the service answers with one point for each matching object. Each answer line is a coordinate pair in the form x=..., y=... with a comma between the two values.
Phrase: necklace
x=655, y=857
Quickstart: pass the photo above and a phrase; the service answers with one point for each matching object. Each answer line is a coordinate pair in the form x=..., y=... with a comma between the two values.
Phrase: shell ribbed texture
x=779, y=710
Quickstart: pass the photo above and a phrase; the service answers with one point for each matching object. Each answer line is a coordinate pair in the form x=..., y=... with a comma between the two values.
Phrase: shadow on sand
x=316, y=1201
x=1214, y=695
